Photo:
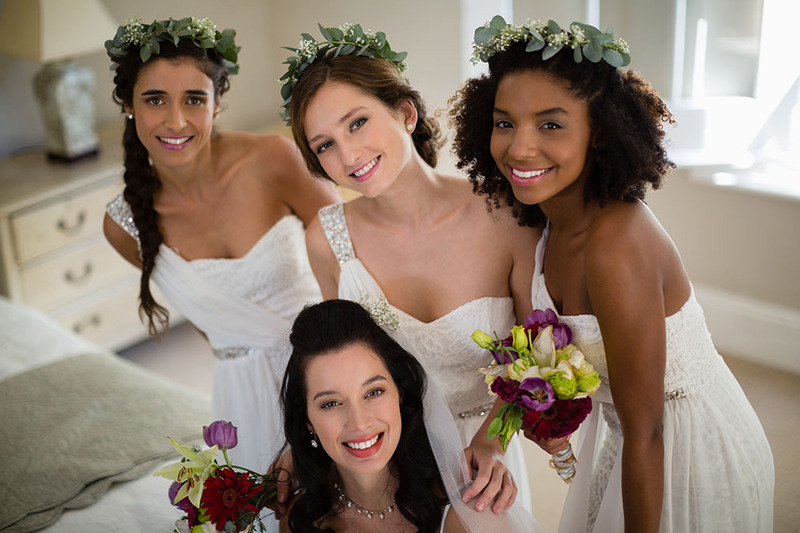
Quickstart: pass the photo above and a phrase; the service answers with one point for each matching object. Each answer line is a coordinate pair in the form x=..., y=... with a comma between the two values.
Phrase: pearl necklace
x=360, y=510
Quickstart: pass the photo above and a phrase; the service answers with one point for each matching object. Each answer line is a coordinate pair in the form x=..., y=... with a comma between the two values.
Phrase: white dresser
x=53, y=255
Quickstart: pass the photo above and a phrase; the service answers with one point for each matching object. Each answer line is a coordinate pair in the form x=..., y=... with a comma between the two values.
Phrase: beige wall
x=734, y=240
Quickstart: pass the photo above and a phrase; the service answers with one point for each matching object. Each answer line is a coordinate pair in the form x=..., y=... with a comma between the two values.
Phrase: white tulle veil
x=455, y=473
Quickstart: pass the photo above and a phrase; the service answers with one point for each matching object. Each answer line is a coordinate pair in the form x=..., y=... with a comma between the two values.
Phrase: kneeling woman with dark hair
x=361, y=420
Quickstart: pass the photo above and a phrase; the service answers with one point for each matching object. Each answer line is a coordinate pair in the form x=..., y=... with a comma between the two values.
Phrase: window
x=736, y=92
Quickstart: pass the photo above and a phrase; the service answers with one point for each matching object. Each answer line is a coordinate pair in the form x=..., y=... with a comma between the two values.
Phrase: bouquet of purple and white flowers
x=541, y=376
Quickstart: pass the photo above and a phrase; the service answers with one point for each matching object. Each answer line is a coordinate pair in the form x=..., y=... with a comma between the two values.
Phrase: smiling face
x=354, y=408
x=540, y=137
x=361, y=143
x=174, y=108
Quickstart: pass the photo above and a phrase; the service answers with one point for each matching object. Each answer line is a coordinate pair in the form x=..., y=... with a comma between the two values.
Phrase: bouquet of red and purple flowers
x=541, y=376
x=214, y=496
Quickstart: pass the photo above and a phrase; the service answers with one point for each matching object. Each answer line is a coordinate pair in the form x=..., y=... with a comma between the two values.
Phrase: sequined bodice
x=443, y=346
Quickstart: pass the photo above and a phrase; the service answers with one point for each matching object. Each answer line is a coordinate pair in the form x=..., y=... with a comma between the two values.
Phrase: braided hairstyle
x=626, y=118
x=331, y=326
x=375, y=77
x=141, y=180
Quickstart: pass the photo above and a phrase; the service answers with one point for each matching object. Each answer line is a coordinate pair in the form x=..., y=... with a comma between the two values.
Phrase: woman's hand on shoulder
x=493, y=481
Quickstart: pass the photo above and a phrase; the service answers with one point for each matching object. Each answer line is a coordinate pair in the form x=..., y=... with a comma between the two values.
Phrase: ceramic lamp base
x=65, y=93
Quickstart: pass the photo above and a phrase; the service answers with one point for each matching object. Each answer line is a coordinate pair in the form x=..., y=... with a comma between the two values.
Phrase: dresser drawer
x=108, y=322
x=45, y=227
x=112, y=321
x=68, y=277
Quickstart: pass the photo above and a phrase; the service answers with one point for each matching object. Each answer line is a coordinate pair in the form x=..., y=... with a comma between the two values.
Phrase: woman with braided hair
x=215, y=219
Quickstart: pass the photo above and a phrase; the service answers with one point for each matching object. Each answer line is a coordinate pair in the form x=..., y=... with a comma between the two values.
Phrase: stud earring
x=314, y=442
x=130, y=116
x=410, y=127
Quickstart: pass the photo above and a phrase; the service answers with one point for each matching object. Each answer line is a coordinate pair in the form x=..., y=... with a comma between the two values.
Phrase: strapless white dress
x=718, y=468
x=444, y=346
x=245, y=306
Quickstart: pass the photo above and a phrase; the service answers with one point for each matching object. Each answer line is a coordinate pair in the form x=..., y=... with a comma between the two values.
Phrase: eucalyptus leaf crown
x=202, y=32
x=585, y=40
x=347, y=39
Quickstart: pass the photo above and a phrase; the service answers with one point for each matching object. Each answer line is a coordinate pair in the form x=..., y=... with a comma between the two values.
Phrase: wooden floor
x=184, y=356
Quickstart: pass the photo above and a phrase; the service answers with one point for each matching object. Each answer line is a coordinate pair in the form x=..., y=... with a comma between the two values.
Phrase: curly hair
x=374, y=77
x=330, y=326
x=626, y=120
x=141, y=180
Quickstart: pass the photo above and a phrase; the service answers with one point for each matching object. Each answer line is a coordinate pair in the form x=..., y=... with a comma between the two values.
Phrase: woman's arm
x=523, y=252
x=452, y=523
x=625, y=288
x=123, y=243
x=322, y=259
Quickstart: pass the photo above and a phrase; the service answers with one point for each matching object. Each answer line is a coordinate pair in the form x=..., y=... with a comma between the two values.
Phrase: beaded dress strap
x=335, y=227
x=120, y=212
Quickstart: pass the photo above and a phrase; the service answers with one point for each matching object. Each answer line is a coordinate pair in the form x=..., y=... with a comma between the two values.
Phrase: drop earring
x=314, y=443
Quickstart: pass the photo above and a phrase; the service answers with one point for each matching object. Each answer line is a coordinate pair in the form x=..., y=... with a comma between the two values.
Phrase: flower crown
x=585, y=40
x=347, y=39
x=202, y=32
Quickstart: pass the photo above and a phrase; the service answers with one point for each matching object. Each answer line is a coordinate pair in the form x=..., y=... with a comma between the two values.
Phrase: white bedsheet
x=29, y=338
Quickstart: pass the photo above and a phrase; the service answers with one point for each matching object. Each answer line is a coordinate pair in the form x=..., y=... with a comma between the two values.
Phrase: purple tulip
x=540, y=319
x=184, y=504
x=561, y=336
x=540, y=396
x=221, y=434
x=506, y=355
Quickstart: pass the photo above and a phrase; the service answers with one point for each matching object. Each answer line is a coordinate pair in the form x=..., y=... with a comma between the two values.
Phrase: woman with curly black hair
x=215, y=219
x=571, y=141
x=362, y=423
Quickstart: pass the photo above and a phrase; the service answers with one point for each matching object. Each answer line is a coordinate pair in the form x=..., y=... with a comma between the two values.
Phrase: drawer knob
x=85, y=323
x=66, y=227
x=71, y=277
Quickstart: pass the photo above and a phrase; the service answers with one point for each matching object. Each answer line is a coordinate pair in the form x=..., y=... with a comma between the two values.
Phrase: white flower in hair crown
x=202, y=32
x=347, y=39
x=585, y=40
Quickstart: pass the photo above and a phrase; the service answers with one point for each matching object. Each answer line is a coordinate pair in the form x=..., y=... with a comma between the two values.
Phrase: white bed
x=82, y=432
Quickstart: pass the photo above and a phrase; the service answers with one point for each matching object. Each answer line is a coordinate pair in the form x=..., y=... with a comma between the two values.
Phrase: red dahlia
x=562, y=419
x=226, y=494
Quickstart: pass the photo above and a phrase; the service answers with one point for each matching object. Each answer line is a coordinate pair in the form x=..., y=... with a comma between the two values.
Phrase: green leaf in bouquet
x=494, y=427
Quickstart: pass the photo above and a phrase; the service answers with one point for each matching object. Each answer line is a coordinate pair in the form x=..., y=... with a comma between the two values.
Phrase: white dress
x=443, y=347
x=718, y=468
x=245, y=307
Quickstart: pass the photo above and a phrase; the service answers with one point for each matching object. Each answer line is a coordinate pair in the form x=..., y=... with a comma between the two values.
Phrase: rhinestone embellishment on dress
x=335, y=228
x=379, y=310
x=120, y=212
x=233, y=352
x=676, y=394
